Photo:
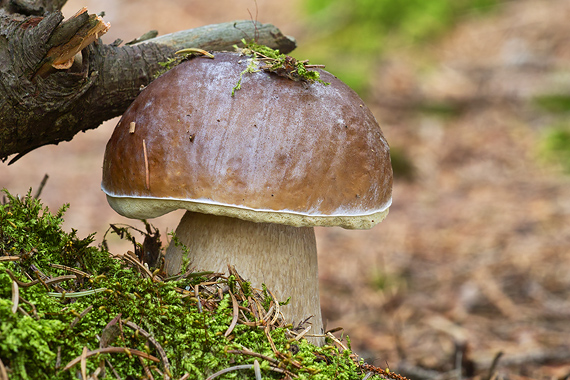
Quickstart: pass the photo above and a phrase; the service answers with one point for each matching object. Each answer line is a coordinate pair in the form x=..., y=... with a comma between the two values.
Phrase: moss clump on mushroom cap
x=46, y=333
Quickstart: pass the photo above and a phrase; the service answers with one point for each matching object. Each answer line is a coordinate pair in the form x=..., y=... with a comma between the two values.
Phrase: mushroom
x=255, y=171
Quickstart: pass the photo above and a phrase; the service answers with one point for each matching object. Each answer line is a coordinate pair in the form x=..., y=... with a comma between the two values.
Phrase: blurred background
x=474, y=99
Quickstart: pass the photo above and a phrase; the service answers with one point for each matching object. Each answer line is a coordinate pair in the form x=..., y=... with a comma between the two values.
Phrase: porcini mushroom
x=255, y=171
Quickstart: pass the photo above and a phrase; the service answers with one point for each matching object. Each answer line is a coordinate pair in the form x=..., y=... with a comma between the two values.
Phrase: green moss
x=46, y=333
x=274, y=62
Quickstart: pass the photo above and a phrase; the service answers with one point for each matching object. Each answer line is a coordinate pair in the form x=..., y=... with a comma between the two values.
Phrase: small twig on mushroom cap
x=147, y=174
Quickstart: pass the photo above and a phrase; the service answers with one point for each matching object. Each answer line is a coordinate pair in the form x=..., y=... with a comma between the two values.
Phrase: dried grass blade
x=146, y=369
x=3, y=372
x=252, y=309
x=9, y=258
x=84, y=363
x=266, y=330
x=134, y=261
x=269, y=312
x=277, y=310
x=234, y=317
x=257, y=370
x=112, y=350
x=69, y=269
x=338, y=342
x=147, y=173
x=302, y=333
x=15, y=296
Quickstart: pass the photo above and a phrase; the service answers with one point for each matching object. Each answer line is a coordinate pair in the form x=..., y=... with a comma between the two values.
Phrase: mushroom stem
x=282, y=257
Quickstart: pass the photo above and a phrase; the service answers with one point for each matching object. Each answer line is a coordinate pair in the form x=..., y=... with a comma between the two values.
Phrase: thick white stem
x=282, y=257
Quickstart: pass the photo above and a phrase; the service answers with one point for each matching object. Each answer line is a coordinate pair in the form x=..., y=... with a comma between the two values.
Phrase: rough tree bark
x=41, y=104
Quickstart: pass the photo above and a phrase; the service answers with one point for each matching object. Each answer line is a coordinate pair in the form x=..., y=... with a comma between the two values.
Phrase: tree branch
x=48, y=94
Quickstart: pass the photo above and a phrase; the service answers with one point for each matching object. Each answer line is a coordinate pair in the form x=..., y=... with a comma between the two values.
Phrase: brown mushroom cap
x=279, y=151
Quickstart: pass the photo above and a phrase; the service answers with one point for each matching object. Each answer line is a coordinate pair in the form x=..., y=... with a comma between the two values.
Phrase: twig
x=493, y=366
x=23, y=311
x=387, y=374
x=302, y=333
x=78, y=318
x=253, y=310
x=271, y=343
x=42, y=184
x=269, y=313
x=56, y=280
x=34, y=310
x=338, y=342
x=20, y=283
x=158, y=347
x=40, y=276
x=146, y=369
x=277, y=310
x=70, y=269
x=112, y=350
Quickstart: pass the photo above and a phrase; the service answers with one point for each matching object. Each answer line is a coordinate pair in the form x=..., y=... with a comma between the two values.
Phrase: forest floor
x=474, y=259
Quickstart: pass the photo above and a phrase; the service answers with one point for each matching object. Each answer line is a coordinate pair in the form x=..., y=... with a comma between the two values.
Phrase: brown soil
x=473, y=259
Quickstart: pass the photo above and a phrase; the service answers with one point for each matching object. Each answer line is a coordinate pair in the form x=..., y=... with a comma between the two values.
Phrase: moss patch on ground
x=69, y=310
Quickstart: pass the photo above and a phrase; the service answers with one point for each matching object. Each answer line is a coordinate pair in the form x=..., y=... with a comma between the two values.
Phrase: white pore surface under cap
x=145, y=208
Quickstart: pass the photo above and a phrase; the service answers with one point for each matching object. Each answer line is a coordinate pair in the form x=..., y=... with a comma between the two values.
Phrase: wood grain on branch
x=48, y=93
